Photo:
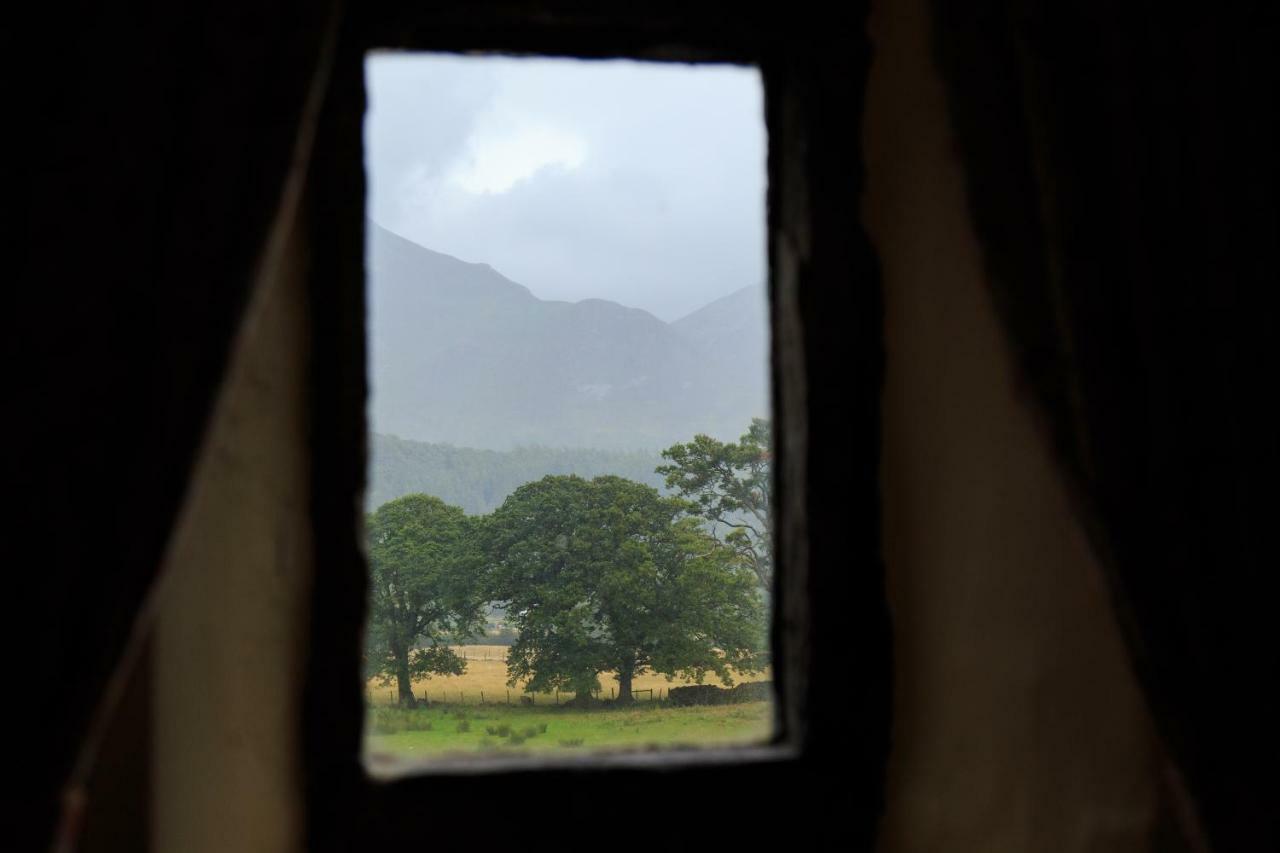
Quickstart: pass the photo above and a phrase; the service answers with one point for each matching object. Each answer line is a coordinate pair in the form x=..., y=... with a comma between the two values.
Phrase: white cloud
x=642, y=183
x=494, y=163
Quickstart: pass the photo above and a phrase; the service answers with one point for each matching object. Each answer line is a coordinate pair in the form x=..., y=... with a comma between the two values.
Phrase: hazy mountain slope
x=462, y=355
x=733, y=332
x=479, y=480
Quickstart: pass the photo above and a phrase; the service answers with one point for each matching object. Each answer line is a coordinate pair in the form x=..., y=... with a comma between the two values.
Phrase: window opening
x=569, y=521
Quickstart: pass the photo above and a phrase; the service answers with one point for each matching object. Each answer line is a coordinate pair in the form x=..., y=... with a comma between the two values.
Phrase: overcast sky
x=642, y=183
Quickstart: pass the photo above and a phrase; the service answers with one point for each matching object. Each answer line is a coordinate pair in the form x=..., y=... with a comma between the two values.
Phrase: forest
x=479, y=481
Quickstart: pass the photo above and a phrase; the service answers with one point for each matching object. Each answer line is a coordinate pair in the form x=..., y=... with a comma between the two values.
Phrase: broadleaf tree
x=607, y=575
x=425, y=573
x=731, y=484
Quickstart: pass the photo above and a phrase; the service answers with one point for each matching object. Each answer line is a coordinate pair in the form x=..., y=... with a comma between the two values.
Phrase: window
x=830, y=638
x=565, y=271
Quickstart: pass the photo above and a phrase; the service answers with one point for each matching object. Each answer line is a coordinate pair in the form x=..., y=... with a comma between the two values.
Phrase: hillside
x=734, y=327
x=460, y=354
x=479, y=480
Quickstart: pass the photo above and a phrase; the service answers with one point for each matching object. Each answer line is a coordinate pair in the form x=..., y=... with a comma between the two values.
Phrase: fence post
x=508, y=695
x=481, y=697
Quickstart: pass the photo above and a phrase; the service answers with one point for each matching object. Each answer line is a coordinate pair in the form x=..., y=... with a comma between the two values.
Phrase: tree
x=608, y=575
x=731, y=484
x=424, y=588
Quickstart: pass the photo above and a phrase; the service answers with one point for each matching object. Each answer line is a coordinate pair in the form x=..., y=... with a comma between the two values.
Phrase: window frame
x=827, y=369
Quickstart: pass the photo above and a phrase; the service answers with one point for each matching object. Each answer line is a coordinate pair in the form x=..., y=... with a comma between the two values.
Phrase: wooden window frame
x=824, y=770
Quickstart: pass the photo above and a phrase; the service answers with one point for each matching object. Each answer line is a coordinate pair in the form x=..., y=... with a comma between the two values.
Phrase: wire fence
x=453, y=696
x=486, y=687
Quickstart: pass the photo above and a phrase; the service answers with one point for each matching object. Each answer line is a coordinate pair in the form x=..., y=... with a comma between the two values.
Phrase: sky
x=642, y=183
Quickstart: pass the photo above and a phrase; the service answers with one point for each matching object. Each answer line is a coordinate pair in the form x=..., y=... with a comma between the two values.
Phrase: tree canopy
x=607, y=575
x=731, y=484
x=425, y=575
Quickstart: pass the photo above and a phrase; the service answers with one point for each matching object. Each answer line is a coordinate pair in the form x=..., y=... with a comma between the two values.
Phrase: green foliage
x=731, y=484
x=606, y=575
x=424, y=571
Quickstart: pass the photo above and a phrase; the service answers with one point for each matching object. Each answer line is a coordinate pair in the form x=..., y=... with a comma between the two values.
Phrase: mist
x=639, y=183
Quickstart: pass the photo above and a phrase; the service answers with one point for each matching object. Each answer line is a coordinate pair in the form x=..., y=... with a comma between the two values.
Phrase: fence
x=498, y=653
x=445, y=696
x=486, y=687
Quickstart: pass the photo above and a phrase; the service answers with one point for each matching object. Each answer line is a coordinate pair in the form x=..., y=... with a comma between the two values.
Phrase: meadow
x=457, y=722
x=502, y=729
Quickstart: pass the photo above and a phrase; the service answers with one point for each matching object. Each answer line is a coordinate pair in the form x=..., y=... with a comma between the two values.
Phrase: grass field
x=501, y=729
x=458, y=722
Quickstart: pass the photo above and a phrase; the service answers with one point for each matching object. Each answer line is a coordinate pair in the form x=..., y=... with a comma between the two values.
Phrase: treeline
x=479, y=481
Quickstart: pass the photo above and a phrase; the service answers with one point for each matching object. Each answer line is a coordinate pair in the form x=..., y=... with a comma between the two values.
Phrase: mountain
x=734, y=331
x=459, y=354
x=479, y=480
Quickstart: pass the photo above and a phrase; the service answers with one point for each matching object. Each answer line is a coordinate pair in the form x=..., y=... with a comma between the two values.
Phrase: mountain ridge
x=461, y=354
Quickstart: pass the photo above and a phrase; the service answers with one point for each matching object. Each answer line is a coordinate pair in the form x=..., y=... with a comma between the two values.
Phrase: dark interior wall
x=827, y=309
x=154, y=145
x=1121, y=167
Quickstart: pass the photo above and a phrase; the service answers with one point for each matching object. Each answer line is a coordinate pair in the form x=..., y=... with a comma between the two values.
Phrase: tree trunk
x=624, y=686
x=402, y=676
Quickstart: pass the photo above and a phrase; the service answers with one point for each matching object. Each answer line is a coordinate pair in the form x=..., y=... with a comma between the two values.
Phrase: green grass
x=503, y=729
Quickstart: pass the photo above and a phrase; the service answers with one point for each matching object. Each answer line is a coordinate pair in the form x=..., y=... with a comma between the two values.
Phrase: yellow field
x=486, y=676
